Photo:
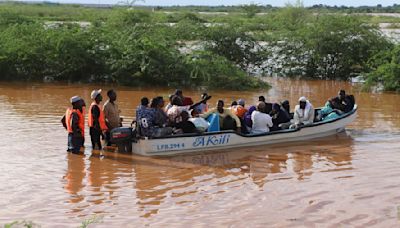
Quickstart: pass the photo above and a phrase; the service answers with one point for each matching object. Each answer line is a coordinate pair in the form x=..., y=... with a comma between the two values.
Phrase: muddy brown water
x=350, y=179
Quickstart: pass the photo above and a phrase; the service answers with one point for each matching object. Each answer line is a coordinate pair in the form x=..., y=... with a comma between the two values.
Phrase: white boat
x=189, y=143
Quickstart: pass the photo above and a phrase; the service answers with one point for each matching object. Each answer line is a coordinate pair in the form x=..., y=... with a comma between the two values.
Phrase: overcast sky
x=239, y=2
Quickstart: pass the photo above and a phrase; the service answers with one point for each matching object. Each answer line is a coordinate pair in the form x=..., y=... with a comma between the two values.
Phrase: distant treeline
x=150, y=47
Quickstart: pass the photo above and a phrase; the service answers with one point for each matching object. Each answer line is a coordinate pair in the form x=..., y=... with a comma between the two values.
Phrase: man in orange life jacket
x=74, y=122
x=96, y=119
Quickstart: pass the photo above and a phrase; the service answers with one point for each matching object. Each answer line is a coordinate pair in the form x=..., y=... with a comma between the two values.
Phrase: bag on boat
x=213, y=120
x=200, y=123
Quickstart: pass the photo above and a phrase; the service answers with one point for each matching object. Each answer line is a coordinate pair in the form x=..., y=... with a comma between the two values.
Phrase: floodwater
x=351, y=179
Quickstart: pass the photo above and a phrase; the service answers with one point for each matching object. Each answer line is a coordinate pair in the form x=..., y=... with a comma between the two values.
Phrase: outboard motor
x=122, y=136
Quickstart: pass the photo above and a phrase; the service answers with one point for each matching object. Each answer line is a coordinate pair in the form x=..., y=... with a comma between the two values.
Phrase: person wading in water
x=74, y=122
x=96, y=120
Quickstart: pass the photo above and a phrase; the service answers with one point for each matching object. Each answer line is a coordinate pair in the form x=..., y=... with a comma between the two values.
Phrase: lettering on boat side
x=211, y=140
x=171, y=146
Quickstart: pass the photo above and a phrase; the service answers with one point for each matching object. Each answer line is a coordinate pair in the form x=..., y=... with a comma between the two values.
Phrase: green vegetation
x=180, y=46
x=27, y=224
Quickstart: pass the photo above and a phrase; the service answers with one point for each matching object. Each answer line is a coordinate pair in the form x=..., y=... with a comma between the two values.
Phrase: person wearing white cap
x=303, y=113
x=74, y=123
x=96, y=120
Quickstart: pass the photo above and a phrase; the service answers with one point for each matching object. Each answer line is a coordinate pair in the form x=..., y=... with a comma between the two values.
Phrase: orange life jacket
x=102, y=120
x=68, y=118
x=239, y=111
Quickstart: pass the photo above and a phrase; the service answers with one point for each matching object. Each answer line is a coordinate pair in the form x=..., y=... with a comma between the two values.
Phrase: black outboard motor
x=122, y=136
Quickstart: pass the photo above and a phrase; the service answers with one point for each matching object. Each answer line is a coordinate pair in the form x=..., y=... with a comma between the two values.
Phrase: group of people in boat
x=181, y=115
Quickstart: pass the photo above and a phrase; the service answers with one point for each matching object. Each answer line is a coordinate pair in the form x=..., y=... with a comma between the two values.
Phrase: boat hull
x=230, y=139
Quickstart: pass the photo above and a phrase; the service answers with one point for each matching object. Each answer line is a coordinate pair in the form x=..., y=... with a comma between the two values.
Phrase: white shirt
x=261, y=122
x=305, y=116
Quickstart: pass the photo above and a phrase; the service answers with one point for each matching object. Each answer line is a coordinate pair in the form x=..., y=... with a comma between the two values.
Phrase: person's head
x=144, y=101
x=285, y=104
x=261, y=106
x=341, y=94
x=179, y=93
x=154, y=102
x=234, y=103
x=76, y=102
x=220, y=106
x=276, y=108
x=112, y=95
x=160, y=102
x=170, y=98
x=184, y=116
x=241, y=102
x=195, y=113
x=176, y=100
x=302, y=102
x=261, y=98
x=96, y=96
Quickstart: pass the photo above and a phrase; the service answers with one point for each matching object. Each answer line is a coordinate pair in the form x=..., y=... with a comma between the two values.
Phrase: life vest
x=68, y=118
x=102, y=120
x=239, y=111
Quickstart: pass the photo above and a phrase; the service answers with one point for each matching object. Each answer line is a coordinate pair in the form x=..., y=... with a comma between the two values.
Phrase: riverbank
x=140, y=47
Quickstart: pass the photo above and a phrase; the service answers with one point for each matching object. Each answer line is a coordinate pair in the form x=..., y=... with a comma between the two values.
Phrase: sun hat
x=75, y=99
x=95, y=93
x=302, y=99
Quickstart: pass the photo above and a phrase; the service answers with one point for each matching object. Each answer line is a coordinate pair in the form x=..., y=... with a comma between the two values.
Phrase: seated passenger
x=145, y=121
x=185, y=126
x=280, y=118
x=303, y=113
x=330, y=110
x=203, y=107
x=152, y=121
x=169, y=105
x=223, y=113
x=261, y=121
x=346, y=102
x=177, y=108
x=285, y=106
x=160, y=117
x=239, y=109
x=185, y=100
x=144, y=103
x=247, y=117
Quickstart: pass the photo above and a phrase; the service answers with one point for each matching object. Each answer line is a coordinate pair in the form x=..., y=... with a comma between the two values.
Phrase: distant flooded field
x=351, y=179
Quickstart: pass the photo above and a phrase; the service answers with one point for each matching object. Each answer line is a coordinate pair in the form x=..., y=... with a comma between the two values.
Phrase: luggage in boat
x=122, y=136
x=213, y=119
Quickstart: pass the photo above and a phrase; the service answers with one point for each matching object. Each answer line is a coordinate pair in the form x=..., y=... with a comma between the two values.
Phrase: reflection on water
x=351, y=179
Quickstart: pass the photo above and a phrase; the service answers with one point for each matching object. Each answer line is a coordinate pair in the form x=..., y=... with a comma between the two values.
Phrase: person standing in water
x=96, y=120
x=111, y=114
x=74, y=123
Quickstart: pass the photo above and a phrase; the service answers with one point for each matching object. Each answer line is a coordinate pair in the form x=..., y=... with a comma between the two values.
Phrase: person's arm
x=198, y=103
x=64, y=121
x=207, y=114
x=310, y=118
x=106, y=111
x=269, y=121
